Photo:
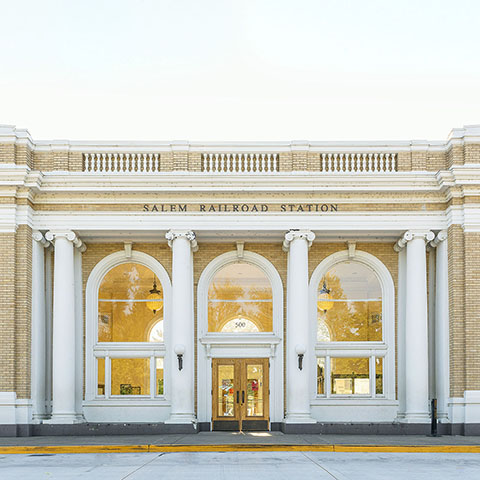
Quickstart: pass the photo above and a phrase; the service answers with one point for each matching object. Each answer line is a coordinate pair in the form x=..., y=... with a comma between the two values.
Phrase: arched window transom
x=240, y=300
x=349, y=305
x=125, y=313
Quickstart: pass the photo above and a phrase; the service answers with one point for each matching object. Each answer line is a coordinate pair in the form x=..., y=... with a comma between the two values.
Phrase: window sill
x=352, y=401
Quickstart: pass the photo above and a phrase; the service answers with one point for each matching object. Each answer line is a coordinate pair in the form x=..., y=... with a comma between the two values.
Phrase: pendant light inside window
x=324, y=298
x=155, y=301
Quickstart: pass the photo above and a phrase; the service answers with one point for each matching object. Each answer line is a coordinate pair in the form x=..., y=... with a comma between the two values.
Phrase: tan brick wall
x=455, y=156
x=456, y=275
x=23, y=310
x=472, y=311
x=436, y=161
x=7, y=153
x=43, y=161
x=7, y=312
x=472, y=153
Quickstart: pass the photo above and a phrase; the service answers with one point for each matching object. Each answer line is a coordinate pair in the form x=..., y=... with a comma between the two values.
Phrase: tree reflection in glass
x=240, y=300
x=356, y=313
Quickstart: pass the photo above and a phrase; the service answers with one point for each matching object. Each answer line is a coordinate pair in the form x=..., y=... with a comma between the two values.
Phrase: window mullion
x=327, y=376
x=372, y=376
x=152, y=376
x=108, y=371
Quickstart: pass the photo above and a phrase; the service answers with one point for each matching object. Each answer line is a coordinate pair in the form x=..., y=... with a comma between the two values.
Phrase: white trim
x=246, y=345
x=385, y=349
x=135, y=349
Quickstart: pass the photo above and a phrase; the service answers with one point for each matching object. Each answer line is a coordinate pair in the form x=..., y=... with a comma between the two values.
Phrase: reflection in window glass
x=159, y=375
x=156, y=333
x=100, y=376
x=321, y=376
x=124, y=311
x=379, y=376
x=255, y=390
x=350, y=376
x=226, y=399
x=130, y=376
x=240, y=300
x=349, y=304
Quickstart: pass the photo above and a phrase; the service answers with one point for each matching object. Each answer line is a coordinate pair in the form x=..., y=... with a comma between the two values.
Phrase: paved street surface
x=246, y=465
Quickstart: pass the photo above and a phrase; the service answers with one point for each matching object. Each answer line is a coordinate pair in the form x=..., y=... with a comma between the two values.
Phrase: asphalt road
x=242, y=466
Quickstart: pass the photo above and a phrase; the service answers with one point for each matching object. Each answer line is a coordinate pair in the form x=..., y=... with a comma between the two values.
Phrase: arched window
x=349, y=304
x=125, y=311
x=353, y=310
x=126, y=303
x=240, y=300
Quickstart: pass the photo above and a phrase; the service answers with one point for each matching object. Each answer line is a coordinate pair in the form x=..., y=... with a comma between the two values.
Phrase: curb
x=238, y=448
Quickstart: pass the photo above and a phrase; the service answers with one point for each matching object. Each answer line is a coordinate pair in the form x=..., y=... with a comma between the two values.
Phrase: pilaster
x=39, y=328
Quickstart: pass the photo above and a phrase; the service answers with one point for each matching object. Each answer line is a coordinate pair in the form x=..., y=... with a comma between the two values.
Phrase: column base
x=182, y=418
x=423, y=417
x=299, y=418
x=38, y=418
x=65, y=419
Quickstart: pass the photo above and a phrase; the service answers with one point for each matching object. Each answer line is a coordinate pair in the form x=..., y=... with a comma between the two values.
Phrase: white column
x=183, y=244
x=442, y=367
x=297, y=243
x=64, y=328
x=431, y=321
x=402, y=257
x=39, y=328
x=416, y=329
x=77, y=257
x=49, y=325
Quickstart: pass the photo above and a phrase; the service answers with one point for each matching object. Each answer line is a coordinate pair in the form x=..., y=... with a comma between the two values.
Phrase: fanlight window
x=240, y=300
x=349, y=304
x=130, y=305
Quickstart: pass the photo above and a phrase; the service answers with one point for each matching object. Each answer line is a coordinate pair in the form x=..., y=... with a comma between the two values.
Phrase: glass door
x=240, y=394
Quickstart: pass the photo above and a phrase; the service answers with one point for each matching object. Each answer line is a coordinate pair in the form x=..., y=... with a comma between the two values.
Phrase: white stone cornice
x=440, y=237
x=38, y=237
x=71, y=236
x=171, y=235
x=291, y=235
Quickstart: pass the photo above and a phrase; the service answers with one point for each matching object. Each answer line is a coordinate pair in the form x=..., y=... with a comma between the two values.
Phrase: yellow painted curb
x=175, y=448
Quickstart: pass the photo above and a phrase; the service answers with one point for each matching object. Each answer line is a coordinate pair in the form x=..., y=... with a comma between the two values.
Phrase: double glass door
x=240, y=394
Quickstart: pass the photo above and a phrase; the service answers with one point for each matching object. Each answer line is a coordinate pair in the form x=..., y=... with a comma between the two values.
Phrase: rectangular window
x=100, y=376
x=321, y=376
x=130, y=376
x=159, y=376
x=350, y=376
x=378, y=376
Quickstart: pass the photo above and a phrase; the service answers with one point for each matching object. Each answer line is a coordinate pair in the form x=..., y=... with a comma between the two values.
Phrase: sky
x=239, y=70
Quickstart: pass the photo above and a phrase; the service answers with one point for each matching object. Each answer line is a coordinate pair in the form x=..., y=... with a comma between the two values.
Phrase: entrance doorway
x=240, y=394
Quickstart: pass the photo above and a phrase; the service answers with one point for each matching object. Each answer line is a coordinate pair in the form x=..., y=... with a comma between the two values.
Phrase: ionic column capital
x=172, y=235
x=69, y=235
x=38, y=237
x=426, y=235
x=441, y=236
x=292, y=235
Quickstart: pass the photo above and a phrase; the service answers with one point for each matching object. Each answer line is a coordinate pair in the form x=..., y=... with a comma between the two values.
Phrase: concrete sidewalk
x=228, y=441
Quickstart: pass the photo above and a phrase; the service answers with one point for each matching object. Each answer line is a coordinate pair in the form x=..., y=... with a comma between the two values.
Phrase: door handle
x=243, y=396
x=238, y=396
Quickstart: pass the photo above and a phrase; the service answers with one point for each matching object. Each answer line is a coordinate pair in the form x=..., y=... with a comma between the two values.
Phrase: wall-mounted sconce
x=300, y=350
x=179, y=351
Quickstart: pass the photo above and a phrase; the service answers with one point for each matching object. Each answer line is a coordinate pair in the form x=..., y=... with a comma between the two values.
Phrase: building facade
x=297, y=286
